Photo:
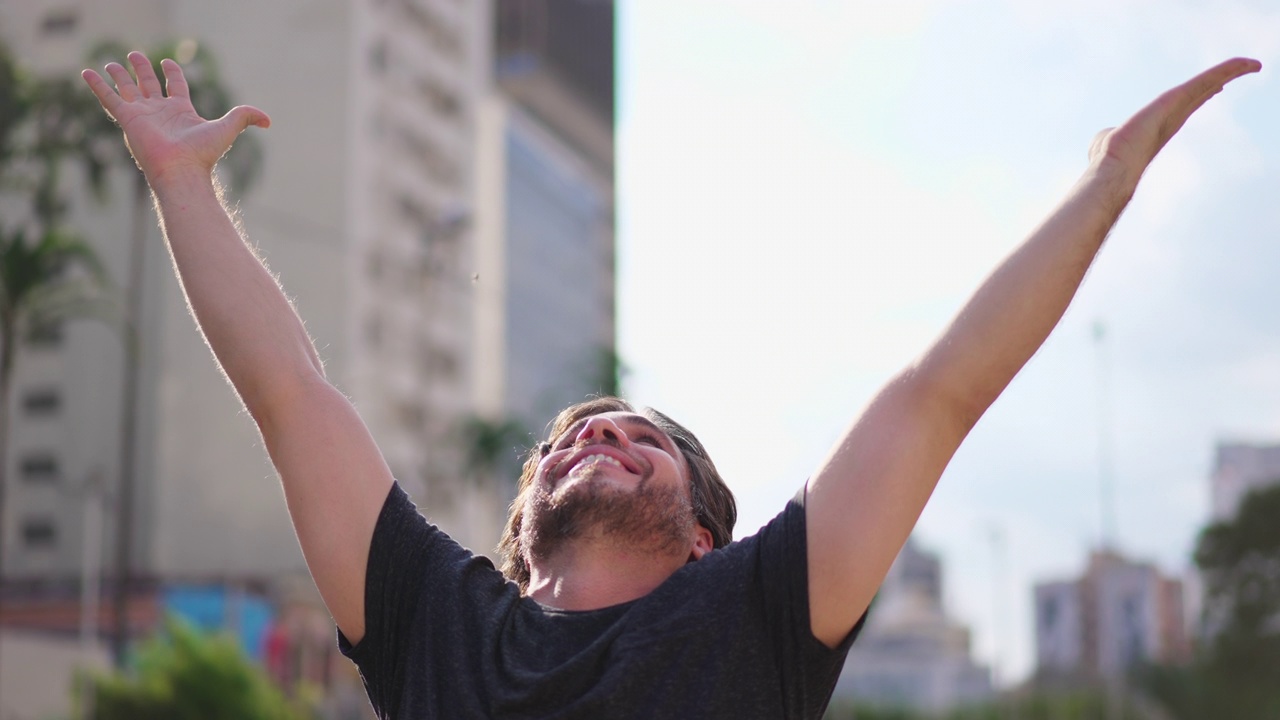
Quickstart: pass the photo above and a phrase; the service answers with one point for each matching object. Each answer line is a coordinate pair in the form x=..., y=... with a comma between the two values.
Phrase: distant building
x=910, y=654
x=544, y=295
x=1238, y=469
x=437, y=197
x=1118, y=614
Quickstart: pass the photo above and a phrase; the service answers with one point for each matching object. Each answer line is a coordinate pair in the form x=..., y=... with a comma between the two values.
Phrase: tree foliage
x=47, y=273
x=1236, y=672
x=493, y=448
x=183, y=674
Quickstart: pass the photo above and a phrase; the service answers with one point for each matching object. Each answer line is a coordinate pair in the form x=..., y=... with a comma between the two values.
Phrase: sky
x=808, y=191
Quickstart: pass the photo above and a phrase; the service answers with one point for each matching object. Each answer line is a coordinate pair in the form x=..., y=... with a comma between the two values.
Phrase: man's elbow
x=959, y=405
x=278, y=398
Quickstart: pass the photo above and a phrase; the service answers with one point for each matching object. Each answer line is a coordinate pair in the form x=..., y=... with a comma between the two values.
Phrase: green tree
x=492, y=449
x=183, y=674
x=47, y=274
x=1236, y=671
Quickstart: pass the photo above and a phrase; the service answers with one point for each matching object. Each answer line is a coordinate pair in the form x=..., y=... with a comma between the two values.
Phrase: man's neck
x=588, y=575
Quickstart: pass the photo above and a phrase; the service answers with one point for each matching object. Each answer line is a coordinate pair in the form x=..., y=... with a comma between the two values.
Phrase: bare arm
x=334, y=477
x=870, y=490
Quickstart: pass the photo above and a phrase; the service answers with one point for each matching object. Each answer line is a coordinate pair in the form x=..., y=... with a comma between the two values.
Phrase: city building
x=910, y=653
x=1238, y=469
x=1118, y=614
x=436, y=196
x=544, y=291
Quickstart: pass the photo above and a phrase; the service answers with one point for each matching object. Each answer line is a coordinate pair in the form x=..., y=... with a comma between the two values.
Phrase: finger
x=1215, y=78
x=108, y=97
x=148, y=84
x=243, y=116
x=1195, y=92
x=124, y=82
x=175, y=82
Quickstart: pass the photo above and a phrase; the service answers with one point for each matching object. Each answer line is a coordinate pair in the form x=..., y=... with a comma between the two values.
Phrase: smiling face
x=614, y=477
x=552, y=477
x=623, y=445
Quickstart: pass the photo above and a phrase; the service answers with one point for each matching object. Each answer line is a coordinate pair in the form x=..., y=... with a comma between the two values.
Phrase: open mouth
x=599, y=456
x=597, y=459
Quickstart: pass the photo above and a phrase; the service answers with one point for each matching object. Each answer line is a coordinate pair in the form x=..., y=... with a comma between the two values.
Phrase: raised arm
x=335, y=480
x=867, y=495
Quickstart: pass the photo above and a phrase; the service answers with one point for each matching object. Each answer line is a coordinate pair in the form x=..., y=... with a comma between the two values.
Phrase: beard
x=649, y=519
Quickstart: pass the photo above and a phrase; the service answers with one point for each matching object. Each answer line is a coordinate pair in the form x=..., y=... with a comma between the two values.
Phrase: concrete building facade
x=444, y=227
x=910, y=653
x=1118, y=614
x=1238, y=469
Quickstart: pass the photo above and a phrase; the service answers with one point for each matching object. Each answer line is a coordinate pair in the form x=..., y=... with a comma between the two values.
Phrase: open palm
x=164, y=133
x=1134, y=144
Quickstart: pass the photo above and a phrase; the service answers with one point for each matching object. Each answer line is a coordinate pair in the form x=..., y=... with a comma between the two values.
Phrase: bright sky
x=809, y=190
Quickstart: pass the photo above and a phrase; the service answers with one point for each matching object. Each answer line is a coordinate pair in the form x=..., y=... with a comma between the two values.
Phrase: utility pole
x=1106, y=480
x=93, y=496
x=999, y=582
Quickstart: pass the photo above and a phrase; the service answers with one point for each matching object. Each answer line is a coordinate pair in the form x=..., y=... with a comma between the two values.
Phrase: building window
x=39, y=468
x=39, y=532
x=60, y=22
x=42, y=402
x=412, y=416
x=378, y=57
x=373, y=330
x=46, y=335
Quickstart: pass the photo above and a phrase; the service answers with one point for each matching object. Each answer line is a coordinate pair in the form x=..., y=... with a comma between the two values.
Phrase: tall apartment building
x=1238, y=469
x=545, y=322
x=910, y=653
x=442, y=220
x=1118, y=614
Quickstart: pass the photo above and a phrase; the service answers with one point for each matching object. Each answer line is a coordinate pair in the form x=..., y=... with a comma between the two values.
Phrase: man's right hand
x=335, y=479
x=1132, y=146
x=165, y=134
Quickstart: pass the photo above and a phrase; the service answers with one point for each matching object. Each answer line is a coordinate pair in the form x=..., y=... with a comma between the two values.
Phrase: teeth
x=597, y=458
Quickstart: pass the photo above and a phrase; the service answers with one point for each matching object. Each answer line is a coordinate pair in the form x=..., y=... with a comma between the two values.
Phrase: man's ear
x=702, y=543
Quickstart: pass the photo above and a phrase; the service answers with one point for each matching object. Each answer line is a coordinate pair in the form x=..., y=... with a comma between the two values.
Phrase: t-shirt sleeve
x=402, y=542
x=809, y=668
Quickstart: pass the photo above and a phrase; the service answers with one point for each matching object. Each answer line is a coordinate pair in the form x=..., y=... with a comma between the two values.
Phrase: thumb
x=1098, y=146
x=242, y=116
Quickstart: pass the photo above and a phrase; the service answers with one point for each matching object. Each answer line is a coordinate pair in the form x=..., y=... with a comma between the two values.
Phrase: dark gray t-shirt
x=447, y=636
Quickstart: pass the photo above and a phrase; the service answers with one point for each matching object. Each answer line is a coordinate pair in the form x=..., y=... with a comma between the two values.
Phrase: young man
x=619, y=606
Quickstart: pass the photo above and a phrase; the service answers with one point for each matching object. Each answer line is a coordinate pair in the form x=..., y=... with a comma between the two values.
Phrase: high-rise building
x=545, y=317
x=1118, y=614
x=910, y=653
x=436, y=197
x=1238, y=469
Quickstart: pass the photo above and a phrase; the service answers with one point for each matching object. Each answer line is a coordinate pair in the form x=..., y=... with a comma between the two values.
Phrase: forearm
x=252, y=328
x=1018, y=305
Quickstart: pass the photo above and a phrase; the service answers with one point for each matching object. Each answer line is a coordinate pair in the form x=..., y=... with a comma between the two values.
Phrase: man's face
x=615, y=476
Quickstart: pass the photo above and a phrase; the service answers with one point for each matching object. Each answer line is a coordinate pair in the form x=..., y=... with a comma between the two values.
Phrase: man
x=628, y=600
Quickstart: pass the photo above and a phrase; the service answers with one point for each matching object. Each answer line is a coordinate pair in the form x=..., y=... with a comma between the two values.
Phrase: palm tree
x=242, y=164
x=47, y=275
x=40, y=287
x=491, y=447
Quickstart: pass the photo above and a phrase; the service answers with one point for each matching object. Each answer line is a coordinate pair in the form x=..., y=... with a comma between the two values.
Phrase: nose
x=600, y=429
